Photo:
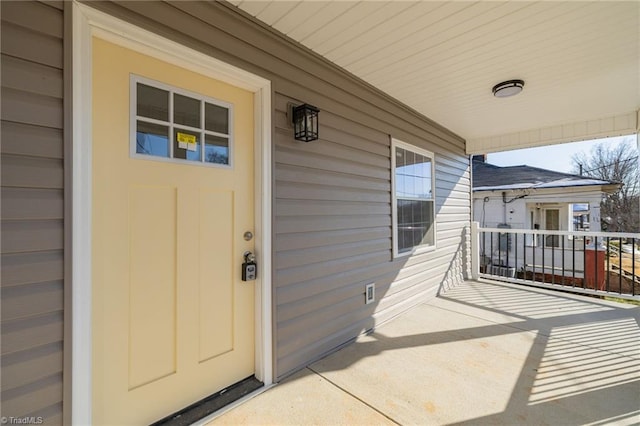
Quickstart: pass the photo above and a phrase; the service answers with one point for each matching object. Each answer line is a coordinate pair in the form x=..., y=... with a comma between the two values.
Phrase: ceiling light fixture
x=508, y=88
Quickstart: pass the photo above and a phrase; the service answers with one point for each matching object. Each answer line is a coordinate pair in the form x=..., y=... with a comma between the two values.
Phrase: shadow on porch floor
x=482, y=353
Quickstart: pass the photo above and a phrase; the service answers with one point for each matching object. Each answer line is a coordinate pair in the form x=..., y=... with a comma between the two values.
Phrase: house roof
x=489, y=177
x=580, y=61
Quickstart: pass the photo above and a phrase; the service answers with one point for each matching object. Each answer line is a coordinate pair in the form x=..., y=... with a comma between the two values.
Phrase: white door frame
x=89, y=23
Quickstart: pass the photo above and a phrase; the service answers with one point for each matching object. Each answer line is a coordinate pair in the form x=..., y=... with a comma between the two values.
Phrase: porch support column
x=638, y=134
x=475, y=250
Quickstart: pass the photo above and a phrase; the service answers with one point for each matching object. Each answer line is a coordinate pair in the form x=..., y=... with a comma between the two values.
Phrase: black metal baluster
x=524, y=255
x=609, y=261
x=544, y=254
x=584, y=262
x=563, y=260
x=499, y=253
x=595, y=264
x=484, y=249
x=620, y=270
x=491, y=254
x=534, y=240
x=553, y=259
x=633, y=266
x=515, y=254
x=508, y=249
x=573, y=259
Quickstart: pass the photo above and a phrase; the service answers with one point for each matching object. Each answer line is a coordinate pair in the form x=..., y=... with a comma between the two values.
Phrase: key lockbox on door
x=249, y=267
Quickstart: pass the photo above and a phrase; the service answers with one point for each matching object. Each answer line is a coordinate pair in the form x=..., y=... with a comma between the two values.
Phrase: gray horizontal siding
x=29, y=268
x=322, y=262
x=327, y=238
x=32, y=291
x=29, y=108
x=20, y=369
x=43, y=141
x=30, y=77
x=31, y=45
x=332, y=197
x=19, y=171
x=30, y=203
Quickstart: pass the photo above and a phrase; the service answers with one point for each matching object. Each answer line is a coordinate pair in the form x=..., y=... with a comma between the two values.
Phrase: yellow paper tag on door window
x=186, y=141
x=186, y=138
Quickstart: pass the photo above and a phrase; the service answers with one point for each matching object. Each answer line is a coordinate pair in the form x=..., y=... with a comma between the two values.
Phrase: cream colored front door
x=172, y=320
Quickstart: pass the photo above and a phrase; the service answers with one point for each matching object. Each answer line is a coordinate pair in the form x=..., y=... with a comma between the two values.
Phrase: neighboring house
x=524, y=197
x=146, y=148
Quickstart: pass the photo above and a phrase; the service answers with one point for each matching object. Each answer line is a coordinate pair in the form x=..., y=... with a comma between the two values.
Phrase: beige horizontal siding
x=32, y=210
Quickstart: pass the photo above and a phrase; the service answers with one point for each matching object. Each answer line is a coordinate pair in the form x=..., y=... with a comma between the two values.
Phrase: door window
x=172, y=124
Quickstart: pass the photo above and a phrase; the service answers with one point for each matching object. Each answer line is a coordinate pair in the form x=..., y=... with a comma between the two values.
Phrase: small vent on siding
x=370, y=293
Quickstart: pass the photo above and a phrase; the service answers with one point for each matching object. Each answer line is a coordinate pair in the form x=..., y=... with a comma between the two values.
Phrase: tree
x=620, y=211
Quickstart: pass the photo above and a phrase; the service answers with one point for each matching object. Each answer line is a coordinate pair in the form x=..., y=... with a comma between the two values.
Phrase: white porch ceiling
x=580, y=62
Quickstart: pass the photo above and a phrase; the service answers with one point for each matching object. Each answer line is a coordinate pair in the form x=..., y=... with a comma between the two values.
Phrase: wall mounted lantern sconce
x=305, y=122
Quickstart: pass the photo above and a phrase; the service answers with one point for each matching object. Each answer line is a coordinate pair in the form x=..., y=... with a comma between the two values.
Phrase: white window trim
x=394, y=200
x=133, y=118
x=89, y=23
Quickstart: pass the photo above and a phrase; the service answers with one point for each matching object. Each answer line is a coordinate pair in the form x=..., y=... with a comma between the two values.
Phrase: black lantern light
x=305, y=122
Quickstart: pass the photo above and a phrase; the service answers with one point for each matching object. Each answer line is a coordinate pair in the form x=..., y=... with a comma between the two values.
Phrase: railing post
x=475, y=251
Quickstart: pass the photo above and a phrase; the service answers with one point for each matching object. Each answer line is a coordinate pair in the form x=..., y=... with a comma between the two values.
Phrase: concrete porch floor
x=482, y=353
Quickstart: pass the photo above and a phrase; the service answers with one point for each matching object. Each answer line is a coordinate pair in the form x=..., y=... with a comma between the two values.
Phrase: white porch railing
x=601, y=263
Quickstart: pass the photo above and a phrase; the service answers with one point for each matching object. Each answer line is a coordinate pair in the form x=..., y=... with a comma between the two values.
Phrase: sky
x=553, y=157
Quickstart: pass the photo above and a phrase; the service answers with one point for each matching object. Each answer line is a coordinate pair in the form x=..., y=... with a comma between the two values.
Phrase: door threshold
x=209, y=406
x=227, y=408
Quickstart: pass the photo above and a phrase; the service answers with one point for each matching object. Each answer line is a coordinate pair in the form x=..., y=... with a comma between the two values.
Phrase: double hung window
x=413, y=182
